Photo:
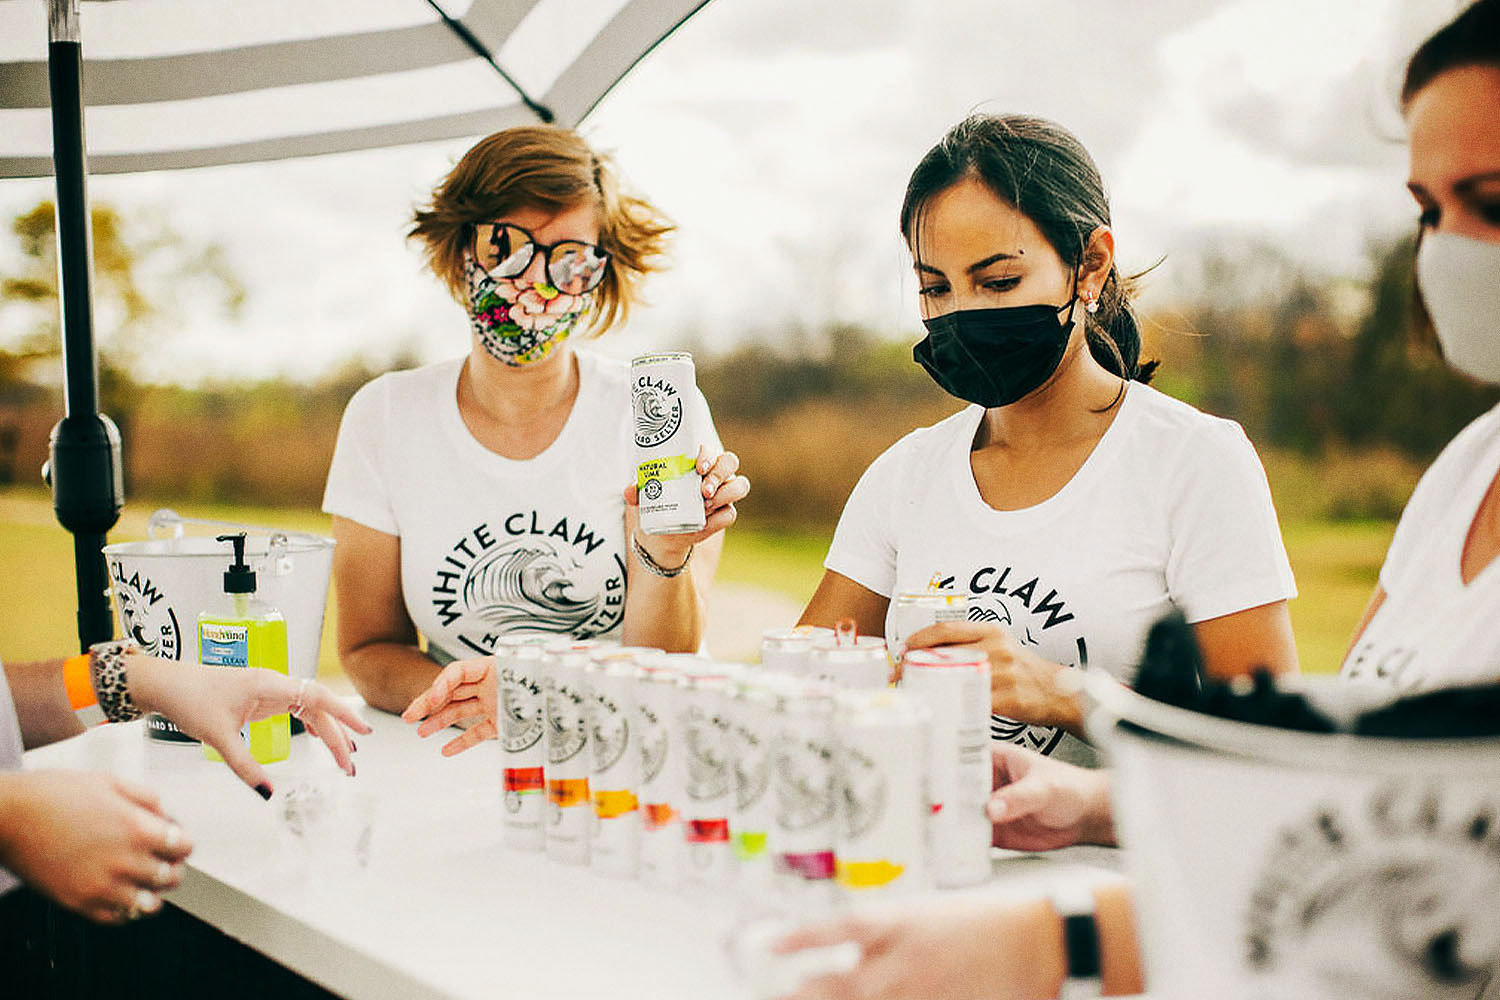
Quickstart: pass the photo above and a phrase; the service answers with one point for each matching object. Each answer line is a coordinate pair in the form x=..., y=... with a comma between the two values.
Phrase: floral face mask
x=519, y=326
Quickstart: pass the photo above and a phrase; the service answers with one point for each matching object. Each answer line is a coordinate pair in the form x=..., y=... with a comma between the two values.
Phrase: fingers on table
x=450, y=715
x=471, y=737
x=443, y=690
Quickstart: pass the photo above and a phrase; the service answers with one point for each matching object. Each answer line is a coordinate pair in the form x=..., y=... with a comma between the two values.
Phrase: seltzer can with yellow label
x=615, y=763
x=883, y=808
x=667, y=417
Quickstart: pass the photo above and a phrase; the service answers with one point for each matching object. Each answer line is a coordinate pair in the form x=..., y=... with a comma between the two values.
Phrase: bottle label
x=223, y=645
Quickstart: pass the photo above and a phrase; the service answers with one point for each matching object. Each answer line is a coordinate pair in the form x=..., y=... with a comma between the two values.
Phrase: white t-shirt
x=1433, y=631
x=491, y=545
x=1171, y=509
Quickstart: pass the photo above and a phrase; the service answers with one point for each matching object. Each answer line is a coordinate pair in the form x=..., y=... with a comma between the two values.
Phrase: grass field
x=1335, y=563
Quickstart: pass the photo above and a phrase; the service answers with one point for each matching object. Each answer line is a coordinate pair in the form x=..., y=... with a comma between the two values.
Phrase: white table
x=443, y=908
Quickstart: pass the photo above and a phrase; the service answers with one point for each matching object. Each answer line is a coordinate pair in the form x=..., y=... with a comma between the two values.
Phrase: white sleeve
x=1225, y=548
x=710, y=432
x=864, y=543
x=358, y=475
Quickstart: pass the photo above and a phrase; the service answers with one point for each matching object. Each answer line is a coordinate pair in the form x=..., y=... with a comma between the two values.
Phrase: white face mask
x=1459, y=277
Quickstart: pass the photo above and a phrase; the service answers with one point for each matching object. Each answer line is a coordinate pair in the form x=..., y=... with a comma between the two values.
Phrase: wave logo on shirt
x=1390, y=900
x=658, y=411
x=147, y=616
x=532, y=574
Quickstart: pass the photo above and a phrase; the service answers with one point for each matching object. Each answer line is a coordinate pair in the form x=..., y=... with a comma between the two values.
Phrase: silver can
x=522, y=708
x=663, y=392
x=615, y=761
x=883, y=805
x=954, y=681
x=915, y=610
x=702, y=727
x=803, y=833
x=751, y=732
x=785, y=649
x=859, y=663
x=568, y=804
x=660, y=789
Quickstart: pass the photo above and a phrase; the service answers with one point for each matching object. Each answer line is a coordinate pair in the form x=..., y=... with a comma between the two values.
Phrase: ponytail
x=1114, y=331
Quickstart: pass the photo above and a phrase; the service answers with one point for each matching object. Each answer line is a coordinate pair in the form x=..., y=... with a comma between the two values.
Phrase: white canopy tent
x=170, y=84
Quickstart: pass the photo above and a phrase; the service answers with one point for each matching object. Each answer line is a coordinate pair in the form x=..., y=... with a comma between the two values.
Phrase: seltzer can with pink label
x=803, y=832
x=667, y=418
x=954, y=682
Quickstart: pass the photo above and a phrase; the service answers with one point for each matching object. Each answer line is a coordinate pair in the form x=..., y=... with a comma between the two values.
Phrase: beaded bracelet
x=654, y=567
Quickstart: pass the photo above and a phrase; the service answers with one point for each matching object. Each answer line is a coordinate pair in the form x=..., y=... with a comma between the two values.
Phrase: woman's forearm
x=665, y=613
x=41, y=700
x=388, y=674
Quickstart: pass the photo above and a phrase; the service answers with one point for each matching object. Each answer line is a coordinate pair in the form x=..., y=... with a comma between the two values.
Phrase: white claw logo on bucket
x=148, y=617
x=1400, y=898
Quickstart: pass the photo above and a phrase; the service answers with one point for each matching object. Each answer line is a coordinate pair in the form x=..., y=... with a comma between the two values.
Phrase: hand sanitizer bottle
x=247, y=633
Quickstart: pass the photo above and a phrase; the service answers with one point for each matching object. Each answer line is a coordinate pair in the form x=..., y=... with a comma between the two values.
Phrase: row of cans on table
x=679, y=769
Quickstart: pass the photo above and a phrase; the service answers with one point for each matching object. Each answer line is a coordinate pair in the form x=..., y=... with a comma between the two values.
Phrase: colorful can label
x=667, y=434
x=883, y=800
x=521, y=704
x=859, y=665
x=954, y=682
x=785, y=650
x=614, y=778
x=915, y=610
x=569, y=807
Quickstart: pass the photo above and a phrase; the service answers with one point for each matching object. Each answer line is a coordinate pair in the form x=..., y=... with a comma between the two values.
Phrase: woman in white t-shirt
x=1072, y=504
x=489, y=494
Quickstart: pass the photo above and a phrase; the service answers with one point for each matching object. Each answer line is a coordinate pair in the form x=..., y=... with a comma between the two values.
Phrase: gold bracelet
x=654, y=567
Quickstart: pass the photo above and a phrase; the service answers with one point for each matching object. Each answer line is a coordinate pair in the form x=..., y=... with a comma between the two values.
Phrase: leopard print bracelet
x=107, y=669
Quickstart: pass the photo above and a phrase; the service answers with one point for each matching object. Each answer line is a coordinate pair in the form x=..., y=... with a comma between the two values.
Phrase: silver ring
x=145, y=902
x=174, y=836
x=163, y=874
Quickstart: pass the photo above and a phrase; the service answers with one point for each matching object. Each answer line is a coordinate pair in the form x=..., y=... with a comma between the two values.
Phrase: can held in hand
x=785, y=649
x=615, y=761
x=915, y=610
x=568, y=805
x=663, y=392
x=883, y=805
x=660, y=785
x=522, y=708
x=708, y=776
x=802, y=786
x=954, y=682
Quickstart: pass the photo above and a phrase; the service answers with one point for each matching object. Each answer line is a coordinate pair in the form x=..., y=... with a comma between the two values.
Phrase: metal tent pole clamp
x=83, y=468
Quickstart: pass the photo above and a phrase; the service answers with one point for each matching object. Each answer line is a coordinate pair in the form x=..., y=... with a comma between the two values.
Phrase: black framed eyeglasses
x=506, y=251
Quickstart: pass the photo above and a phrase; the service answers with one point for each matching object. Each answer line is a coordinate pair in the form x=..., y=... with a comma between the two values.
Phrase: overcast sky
x=779, y=135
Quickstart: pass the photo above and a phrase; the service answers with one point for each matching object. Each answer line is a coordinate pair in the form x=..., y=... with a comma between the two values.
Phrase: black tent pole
x=84, y=469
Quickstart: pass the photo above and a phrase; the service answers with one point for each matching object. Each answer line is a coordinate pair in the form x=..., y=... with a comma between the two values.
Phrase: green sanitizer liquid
x=248, y=633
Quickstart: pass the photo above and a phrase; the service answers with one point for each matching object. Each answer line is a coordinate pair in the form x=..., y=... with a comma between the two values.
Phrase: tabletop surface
x=441, y=908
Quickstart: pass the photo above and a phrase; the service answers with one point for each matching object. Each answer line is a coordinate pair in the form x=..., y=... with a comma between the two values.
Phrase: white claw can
x=954, y=682
x=569, y=808
x=913, y=611
x=615, y=761
x=663, y=393
x=523, y=746
x=702, y=725
x=883, y=805
x=785, y=649
x=857, y=664
x=660, y=786
x=803, y=832
x=751, y=731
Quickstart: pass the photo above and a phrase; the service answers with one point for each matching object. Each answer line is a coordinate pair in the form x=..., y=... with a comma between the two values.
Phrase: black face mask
x=994, y=357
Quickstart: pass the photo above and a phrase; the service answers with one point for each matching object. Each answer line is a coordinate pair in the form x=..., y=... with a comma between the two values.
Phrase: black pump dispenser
x=239, y=578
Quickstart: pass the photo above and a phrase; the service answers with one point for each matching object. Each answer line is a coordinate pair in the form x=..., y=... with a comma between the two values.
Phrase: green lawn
x=1336, y=566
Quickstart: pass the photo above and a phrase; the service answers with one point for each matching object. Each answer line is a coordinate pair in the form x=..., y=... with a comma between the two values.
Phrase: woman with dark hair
x=1073, y=504
x=1430, y=624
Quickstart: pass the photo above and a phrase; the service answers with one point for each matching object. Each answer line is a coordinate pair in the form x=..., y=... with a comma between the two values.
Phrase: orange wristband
x=79, y=682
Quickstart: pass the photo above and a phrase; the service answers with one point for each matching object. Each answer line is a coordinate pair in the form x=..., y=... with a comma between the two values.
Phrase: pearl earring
x=1091, y=306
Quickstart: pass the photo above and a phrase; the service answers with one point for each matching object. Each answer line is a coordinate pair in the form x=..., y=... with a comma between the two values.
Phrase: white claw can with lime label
x=523, y=744
x=883, y=805
x=615, y=761
x=915, y=610
x=954, y=682
x=663, y=394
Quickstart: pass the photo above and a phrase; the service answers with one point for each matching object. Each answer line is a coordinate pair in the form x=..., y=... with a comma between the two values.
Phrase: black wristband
x=1081, y=945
